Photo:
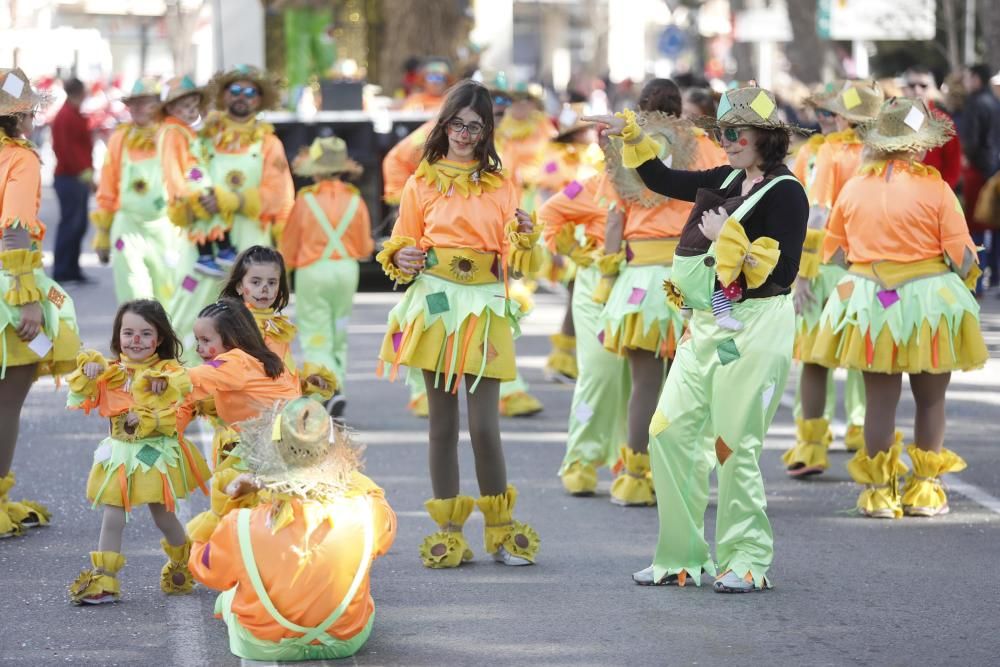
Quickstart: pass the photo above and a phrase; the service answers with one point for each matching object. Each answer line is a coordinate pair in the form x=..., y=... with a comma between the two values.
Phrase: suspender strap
x=319, y=632
x=333, y=235
x=731, y=177
x=752, y=200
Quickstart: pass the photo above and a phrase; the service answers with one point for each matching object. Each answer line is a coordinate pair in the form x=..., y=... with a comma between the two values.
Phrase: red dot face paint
x=212, y=351
x=743, y=141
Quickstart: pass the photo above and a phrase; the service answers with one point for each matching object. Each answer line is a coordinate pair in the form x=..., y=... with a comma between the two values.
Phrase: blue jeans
x=988, y=257
x=73, y=196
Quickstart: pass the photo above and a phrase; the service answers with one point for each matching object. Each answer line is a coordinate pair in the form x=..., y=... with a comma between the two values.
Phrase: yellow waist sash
x=651, y=252
x=464, y=266
x=891, y=275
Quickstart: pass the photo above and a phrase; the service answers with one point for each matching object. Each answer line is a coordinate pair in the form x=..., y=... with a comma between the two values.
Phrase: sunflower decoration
x=463, y=268
x=674, y=296
x=140, y=186
x=442, y=549
x=86, y=584
x=235, y=179
x=522, y=541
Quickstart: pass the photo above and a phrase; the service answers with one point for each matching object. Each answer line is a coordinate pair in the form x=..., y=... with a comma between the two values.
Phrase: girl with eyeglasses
x=458, y=239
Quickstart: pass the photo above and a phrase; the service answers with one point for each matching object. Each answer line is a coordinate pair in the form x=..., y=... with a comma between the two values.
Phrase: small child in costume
x=260, y=281
x=245, y=378
x=145, y=461
x=294, y=570
x=327, y=232
x=192, y=200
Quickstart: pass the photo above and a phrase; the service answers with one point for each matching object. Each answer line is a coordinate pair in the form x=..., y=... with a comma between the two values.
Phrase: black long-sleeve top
x=782, y=213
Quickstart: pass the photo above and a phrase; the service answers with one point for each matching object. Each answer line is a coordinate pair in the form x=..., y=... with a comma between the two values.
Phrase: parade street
x=847, y=590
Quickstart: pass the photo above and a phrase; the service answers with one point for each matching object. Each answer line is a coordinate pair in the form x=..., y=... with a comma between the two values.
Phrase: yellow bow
x=735, y=254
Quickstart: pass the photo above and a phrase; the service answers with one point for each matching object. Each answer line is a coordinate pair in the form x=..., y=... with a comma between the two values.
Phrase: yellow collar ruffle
x=512, y=129
x=882, y=168
x=23, y=143
x=122, y=372
x=848, y=136
x=139, y=138
x=230, y=135
x=272, y=325
x=458, y=177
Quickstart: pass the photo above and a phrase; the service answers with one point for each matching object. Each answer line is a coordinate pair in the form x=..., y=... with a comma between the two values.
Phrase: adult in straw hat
x=133, y=232
x=904, y=306
x=34, y=309
x=744, y=239
x=294, y=570
x=328, y=232
x=854, y=105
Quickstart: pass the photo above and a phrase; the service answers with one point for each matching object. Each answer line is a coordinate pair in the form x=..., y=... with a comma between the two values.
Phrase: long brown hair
x=237, y=329
x=170, y=345
x=661, y=95
x=257, y=254
x=466, y=93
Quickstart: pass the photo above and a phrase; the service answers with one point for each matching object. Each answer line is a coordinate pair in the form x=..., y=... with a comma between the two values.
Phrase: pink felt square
x=189, y=283
x=397, y=340
x=119, y=245
x=888, y=297
x=551, y=168
x=638, y=294
x=573, y=189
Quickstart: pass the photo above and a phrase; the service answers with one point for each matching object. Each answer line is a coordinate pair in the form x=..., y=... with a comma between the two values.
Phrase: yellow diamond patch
x=851, y=98
x=947, y=295
x=762, y=105
x=658, y=424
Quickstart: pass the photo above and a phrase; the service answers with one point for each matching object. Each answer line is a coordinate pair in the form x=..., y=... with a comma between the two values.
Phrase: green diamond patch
x=728, y=352
x=148, y=455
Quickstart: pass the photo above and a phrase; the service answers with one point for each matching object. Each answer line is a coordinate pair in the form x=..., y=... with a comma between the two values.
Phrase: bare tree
x=417, y=28
x=806, y=52
x=180, y=19
x=989, y=24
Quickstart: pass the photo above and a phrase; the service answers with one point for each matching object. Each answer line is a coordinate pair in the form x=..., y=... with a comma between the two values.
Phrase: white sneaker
x=507, y=558
x=730, y=582
x=729, y=322
x=645, y=578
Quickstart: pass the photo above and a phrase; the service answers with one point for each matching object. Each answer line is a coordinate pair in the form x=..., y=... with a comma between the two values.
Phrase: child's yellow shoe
x=447, y=547
x=580, y=478
x=634, y=485
x=18, y=515
x=175, y=577
x=880, y=498
x=808, y=455
x=98, y=585
x=519, y=404
x=509, y=542
x=923, y=493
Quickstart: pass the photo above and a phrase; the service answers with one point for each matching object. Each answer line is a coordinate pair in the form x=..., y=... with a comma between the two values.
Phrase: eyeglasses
x=248, y=92
x=730, y=134
x=457, y=126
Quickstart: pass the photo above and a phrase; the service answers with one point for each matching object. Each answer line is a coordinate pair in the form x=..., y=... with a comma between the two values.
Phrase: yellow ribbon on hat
x=276, y=428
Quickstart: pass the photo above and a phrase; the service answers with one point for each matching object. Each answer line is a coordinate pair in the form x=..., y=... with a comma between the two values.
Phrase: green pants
x=144, y=256
x=597, y=415
x=716, y=406
x=854, y=398
x=324, y=297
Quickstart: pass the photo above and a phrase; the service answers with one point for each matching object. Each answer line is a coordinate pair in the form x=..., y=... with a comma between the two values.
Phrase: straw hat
x=16, y=93
x=326, y=155
x=569, y=120
x=269, y=87
x=822, y=94
x=296, y=449
x=748, y=107
x=907, y=125
x=675, y=136
x=857, y=101
x=176, y=88
x=147, y=86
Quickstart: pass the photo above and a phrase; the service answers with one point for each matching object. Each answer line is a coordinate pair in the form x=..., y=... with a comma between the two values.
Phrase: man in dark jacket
x=980, y=134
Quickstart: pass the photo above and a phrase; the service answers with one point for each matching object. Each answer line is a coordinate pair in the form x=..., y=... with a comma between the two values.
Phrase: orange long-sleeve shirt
x=239, y=385
x=20, y=188
x=837, y=161
x=109, y=188
x=422, y=101
x=305, y=239
x=434, y=219
x=666, y=219
x=179, y=164
x=578, y=204
x=307, y=567
x=402, y=160
x=804, y=165
x=907, y=217
x=521, y=143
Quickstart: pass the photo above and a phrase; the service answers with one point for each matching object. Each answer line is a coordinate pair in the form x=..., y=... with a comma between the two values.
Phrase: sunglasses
x=434, y=78
x=824, y=113
x=248, y=92
x=730, y=134
x=457, y=126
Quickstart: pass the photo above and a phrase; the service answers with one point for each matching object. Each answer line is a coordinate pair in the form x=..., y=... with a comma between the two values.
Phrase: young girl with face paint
x=260, y=281
x=145, y=460
x=244, y=377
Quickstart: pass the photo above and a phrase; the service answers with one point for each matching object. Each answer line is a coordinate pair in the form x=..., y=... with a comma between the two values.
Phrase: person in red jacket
x=74, y=176
x=919, y=83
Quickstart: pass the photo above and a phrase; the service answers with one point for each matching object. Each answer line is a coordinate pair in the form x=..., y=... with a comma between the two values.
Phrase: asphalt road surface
x=847, y=590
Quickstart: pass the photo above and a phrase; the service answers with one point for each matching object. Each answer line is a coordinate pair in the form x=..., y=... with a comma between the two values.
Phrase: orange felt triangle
x=722, y=450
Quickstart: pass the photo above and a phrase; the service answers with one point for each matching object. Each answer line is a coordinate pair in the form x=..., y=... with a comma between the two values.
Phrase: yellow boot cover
x=519, y=539
x=16, y=516
x=854, y=439
x=175, y=577
x=519, y=404
x=580, y=478
x=100, y=580
x=447, y=547
x=923, y=494
x=880, y=476
x=562, y=359
x=634, y=486
x=808, y=455
x=418, y=406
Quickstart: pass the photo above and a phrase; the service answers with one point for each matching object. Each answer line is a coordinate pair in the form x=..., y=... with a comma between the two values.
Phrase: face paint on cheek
x=212, y=351
x=743, y=141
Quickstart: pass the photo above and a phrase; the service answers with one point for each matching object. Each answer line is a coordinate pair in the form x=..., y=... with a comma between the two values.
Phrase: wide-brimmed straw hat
x=821, y=95
x=905, y=124
x=570, y=120
x=16, y=93
x=146, y=86
x=678, y=147
x=326, y=155
x=857, y=101
x=267, y=85
x=748, y=107
x=297, y=449
x=176, y=88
